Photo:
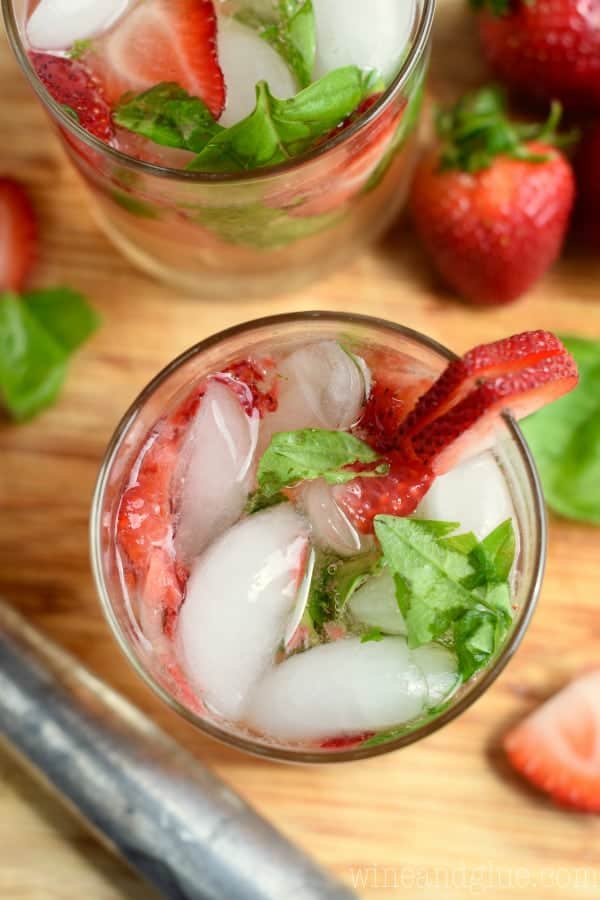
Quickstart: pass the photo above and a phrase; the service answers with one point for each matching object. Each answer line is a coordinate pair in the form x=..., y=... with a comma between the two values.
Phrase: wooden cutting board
x=440, y=819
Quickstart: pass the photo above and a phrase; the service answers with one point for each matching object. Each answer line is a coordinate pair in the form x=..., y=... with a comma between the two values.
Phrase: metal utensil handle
x=178, y=825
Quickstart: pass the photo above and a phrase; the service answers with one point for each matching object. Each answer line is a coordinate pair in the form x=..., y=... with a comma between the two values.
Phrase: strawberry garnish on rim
x=72, y=85
x=18, y=235
x=163, y=40
x=458, y=417
x=557, y=747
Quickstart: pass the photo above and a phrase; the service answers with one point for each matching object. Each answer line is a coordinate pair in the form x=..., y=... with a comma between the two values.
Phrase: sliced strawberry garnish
x=346, y=741
x=485, y=361
x=397, y=385
x=18, y=235
x=72, y=85
x=471, y=425
x=558, y=746
x=163, y=40
x=396, y=494
x=255, y=383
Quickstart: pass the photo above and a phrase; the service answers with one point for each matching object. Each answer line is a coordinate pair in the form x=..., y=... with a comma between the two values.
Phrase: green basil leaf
x=373, y=634
x=168, y=115
x=278, y=130
x=64, y=314
x=565, y=440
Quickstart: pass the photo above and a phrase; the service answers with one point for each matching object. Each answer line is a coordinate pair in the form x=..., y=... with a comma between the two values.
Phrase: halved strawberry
x=396, y=494
x=163, y=40
x=18, y=235
x=397, y=385
x=470, y=426
x=557, y=747
x=71, y=84
x=485, y=361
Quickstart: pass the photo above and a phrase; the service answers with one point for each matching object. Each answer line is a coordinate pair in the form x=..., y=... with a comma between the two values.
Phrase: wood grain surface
x=444, y=818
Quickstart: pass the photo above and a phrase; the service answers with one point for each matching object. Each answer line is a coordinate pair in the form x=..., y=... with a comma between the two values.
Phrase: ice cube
x=302, y=596
x=245, y=60
x=340, y=688
x=375, y=605
x=474, y=493
x=57, y=24
x=239, y=597
x=321, y=386
x=439, y=666
x=370, y=35
x=332, y=529
x=214, y=474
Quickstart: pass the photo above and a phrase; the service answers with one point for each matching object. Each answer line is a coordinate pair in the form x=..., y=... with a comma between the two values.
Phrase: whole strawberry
x=587, y=170
x=548, y=49
x=492, y=202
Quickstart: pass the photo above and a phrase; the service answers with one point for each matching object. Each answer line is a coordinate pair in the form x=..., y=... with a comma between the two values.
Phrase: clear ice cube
x=57, y=24
x=371, y=35
x=341, y=688
x=320, y=386
x=439, y=666
x=215, y=470
x=474, y=493
x=332, y=529
x=246, y=59
x=375, y=605
x=239, y=597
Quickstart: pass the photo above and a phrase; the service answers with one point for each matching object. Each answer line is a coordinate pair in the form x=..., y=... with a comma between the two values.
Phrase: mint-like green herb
x=168, y=115
x=373, y=634
x=140, y=208
x=79, y=49
x=278, y=130
x=451, y=585
x=291, y=32
x=565, y=440
x=295, y=456
x=257, y=501
x=38, y=333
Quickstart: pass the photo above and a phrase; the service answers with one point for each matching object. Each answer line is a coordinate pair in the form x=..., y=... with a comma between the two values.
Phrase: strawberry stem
x=477, y=130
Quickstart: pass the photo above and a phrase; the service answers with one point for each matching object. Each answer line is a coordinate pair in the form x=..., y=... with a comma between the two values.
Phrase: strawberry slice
x=396, y=494
x=470, y=426
x=557, y=748
x=18, y=235
x=485, y=361
x=163, y=40
x=72, y=85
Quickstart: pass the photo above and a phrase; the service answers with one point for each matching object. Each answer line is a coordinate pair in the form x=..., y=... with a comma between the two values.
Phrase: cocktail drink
x=312, y=543
x=246, y=143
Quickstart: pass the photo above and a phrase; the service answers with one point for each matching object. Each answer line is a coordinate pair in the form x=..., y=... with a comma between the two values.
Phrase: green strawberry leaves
x=38, y=334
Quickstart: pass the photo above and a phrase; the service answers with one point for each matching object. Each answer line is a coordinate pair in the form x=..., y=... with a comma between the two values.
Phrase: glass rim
x=290, y=754
x=415, y=54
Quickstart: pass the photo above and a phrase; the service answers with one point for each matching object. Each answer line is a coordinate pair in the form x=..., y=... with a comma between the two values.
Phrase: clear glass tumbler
x=261, y=232
x=168, y=389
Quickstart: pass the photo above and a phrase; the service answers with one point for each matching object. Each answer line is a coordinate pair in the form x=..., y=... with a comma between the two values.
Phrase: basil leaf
x=433, y=573
x=168, y=115
x=294, y=456
x=291, y=32
x=277, y=130
x=373, y=634
x=476, y=639
x=64, y=314
x=565, y=440
x=37, y=335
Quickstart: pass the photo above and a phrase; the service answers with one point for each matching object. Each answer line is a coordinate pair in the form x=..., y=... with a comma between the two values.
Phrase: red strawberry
x=18, y=235
x=548, y=49
x=396, y=494
x=458, y=417
x=491, y=210
x=558, y=746
x=470, y=426
x=343, y=743
x=163, y=40
x=71, y=84
x=486, y=361
x=587, y=169
x=397, y=385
